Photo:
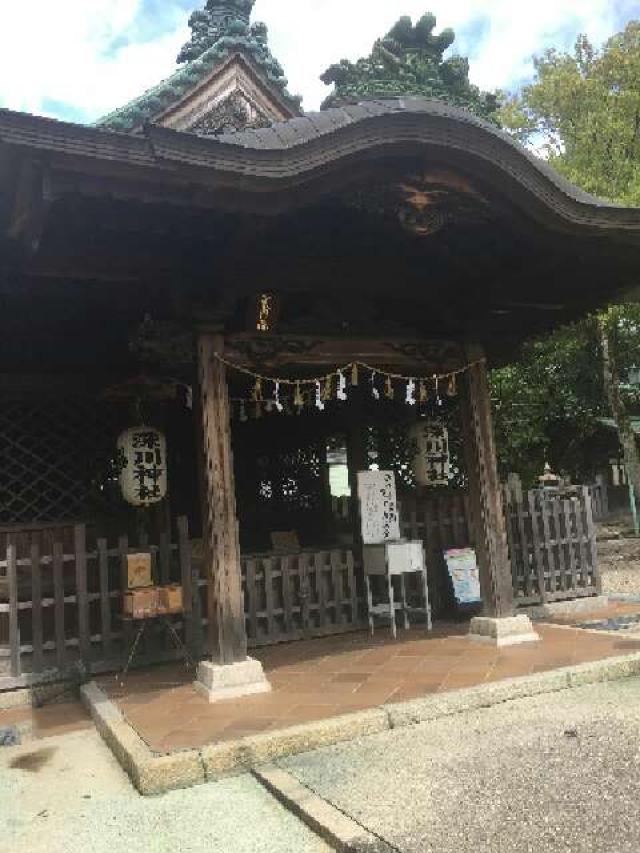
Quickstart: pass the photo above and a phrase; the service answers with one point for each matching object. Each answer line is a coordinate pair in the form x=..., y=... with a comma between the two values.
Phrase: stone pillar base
x=507, y=631
x=216, y=682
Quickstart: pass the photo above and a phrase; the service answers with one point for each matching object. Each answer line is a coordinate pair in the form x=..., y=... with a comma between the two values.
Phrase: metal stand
x=389, y=560
x=388, y=609
x=166, y=622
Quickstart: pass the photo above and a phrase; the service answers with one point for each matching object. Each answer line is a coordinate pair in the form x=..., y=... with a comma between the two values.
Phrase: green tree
x=547, y=405
x=583, y=110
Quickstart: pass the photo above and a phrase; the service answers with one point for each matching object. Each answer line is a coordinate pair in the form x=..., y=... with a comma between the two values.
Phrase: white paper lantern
x=142, y=457
x=431, y=464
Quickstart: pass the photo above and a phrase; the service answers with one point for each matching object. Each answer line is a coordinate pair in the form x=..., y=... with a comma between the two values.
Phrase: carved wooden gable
x=228, y=79
x=233, y=97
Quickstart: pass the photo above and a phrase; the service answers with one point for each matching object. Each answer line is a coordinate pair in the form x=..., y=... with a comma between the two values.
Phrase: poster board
x=465, y=575
x=379, y=517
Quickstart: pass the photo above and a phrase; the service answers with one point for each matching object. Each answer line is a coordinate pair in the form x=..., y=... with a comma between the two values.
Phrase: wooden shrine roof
x=402, y=216
x=297, y=149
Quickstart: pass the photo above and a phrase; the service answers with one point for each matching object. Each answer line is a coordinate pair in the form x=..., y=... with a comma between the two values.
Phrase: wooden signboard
x=138, y=570
x=379, y=517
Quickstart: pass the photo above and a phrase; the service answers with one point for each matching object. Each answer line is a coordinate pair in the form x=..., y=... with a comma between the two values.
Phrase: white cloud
x=58, y=52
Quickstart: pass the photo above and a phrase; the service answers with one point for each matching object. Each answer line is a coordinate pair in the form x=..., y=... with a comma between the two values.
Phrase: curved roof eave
x=291, y=151
x=290, y=156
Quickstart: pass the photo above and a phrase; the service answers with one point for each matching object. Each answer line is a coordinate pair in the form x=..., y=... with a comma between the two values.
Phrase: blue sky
x=79, y=59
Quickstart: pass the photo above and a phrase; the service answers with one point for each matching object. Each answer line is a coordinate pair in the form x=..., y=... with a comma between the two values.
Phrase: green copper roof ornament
x=409, y=60
x=218, y=31
x=218, y=19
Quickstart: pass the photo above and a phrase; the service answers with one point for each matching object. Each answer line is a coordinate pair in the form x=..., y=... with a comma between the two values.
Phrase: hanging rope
x=353, y=367
x=317, y=391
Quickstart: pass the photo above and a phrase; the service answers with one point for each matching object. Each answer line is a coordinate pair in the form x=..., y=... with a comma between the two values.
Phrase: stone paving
x=67, y=794
x=49, y=721
x=556, y=773
x=619, y=612
x=318, y=679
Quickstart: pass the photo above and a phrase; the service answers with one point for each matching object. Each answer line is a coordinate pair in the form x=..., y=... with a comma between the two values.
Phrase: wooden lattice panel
x=552, y=543
x=298, y=596
x=53, y=457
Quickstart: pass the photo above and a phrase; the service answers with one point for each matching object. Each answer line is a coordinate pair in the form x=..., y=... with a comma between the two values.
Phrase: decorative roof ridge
x=219, y=32
x=409, y=60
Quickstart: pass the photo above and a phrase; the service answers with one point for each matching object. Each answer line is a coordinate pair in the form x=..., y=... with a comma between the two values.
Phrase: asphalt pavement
x=558, y=772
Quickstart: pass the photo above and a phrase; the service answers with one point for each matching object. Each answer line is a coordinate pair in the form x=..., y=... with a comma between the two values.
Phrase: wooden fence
x=599, y=494
x=62, y=607
x=61, y=589
x=552, y=543
x=303, y=595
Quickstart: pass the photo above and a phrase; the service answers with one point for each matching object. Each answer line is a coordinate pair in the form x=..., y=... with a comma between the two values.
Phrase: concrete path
x=559, y=772
x=68, y=794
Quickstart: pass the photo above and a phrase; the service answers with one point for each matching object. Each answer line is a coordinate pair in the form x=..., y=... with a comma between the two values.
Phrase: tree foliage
x=583, y=111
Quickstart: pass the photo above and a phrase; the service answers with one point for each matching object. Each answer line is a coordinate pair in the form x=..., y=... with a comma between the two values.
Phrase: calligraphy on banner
x=142, y=459
x=379, y=516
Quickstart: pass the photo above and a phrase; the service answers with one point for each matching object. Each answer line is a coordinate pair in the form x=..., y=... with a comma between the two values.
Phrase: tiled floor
x=317, y=679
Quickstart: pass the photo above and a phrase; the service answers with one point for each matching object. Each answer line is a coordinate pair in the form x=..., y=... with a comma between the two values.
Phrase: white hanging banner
x=379, y=517
x=142, y=458
x=431, y=463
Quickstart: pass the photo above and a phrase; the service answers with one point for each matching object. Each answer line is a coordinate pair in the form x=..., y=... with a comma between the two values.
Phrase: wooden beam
x=227, y=631
x=485, y=494
x=267, y=352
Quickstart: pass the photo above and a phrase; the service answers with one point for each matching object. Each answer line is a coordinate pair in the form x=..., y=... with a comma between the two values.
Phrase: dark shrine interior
x=390, y=257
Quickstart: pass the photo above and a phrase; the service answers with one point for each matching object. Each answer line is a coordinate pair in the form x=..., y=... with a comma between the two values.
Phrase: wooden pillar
x=227, y=633
x=485, y=495
x=357, y=460
x=357, y=456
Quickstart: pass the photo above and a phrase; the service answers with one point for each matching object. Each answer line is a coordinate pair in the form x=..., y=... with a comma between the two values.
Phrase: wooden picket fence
x=61, y=588
x=599, y=494
x=552, y=543
x=302, y=595
x=62, y=605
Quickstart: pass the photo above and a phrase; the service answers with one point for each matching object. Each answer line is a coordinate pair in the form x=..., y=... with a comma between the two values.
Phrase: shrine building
x=240, y=307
